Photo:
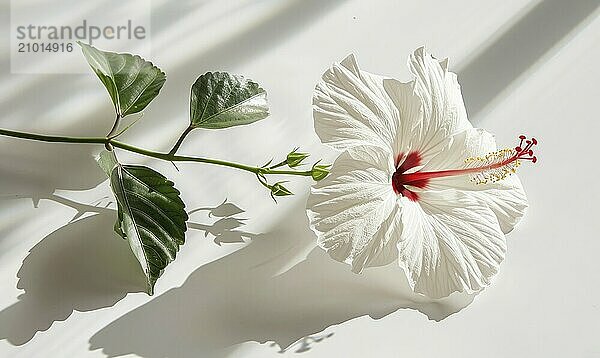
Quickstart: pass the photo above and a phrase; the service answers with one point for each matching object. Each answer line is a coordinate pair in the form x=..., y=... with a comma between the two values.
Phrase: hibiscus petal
x=451, y=241
x=409, y=113
x=443, y=109
x=384, y=245
x=353, y=211
x=506, y=197
x=507, y=200
x=351, y=107
x=472, y=142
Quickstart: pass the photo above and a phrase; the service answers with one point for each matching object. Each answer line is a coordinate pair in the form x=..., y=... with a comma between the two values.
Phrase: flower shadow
x=67, y=271
x=279, y=288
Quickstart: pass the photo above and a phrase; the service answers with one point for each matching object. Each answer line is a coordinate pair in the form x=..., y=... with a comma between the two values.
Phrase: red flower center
x=491, y=168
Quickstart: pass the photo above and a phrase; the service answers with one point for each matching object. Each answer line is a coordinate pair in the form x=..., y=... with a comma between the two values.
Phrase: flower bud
x=295, y=158
x=319, y=172
x=278, y=189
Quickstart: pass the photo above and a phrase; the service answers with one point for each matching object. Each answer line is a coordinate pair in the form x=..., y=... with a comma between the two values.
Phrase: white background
x=71, y=289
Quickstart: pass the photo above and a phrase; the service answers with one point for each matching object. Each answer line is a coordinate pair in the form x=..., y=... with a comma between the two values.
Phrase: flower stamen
x=492, y=167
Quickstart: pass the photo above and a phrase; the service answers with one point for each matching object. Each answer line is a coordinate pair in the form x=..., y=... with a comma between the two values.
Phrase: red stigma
x=526, y=153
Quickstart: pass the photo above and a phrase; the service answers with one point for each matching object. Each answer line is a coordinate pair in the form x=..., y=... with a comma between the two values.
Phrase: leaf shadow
x=255, y=294
x=82, y=266
x=305, y=344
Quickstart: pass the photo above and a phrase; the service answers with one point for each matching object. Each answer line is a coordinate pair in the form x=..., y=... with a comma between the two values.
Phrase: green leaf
x=107, y=161
x=221, y=100
x=131, y=81
x=151, y=215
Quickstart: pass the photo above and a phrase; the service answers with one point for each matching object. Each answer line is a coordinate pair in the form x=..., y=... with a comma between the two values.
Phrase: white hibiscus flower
x=415, y=182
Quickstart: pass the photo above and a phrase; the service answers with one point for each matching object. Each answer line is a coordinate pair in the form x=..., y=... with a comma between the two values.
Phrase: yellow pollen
x=494, y=166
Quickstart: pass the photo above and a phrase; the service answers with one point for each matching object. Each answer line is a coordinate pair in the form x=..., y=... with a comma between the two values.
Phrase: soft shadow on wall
x=255, y=294
x=67, y=271
x=500, y=63
x=310, y=279
x=237, y=299
x=36, y=170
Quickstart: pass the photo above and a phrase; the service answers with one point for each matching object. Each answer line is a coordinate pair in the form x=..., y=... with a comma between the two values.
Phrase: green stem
x=148, y=153
x=53, y=139
x=115, y=126
x=278, y=165
x=287, y=172
x=181, y=158
x=180, y=140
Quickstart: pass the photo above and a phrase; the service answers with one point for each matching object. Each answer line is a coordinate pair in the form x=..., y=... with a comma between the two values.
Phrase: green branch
x=180, y=140
x=53, y=139
x=164, y=156
x=115, y=126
